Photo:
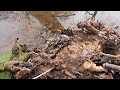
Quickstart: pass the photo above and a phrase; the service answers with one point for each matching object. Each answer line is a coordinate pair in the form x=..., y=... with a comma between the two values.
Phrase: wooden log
x=111, y=67
x=91, y=66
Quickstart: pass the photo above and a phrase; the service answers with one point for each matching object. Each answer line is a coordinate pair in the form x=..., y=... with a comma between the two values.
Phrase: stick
x=109, y=55
x=43, y=73
x=70, y=75
x=110, y=41
x=89, y=13
x=111, y=67
x=91, y=28
x=93, y=16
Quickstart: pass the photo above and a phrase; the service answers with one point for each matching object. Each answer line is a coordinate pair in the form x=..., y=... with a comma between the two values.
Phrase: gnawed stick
x=44, y=73
x=70, y=74
x=109, y=55
x=111, y=67
x=91, y=66
x=91, y=28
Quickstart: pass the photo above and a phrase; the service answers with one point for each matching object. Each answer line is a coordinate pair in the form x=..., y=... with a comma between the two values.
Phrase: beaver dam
x=53, y=45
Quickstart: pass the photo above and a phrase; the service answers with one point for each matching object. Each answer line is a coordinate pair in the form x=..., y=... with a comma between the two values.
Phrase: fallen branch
x=91, y=28
x=109, y=41
x=90, y=66
x=109, y=55
x=70, y=75
x=44, y=73
x=111, y=67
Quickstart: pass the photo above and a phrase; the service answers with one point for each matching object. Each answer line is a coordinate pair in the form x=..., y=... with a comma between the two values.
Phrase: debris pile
x=90, y=52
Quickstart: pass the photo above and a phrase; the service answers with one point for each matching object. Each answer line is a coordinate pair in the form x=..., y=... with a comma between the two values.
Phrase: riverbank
x=89, y=52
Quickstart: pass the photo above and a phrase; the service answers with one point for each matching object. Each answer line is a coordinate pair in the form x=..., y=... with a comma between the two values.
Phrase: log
x=91, y=66
x=111, y=67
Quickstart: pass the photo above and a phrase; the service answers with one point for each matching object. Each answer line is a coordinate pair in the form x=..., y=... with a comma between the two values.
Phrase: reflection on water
x=14, y=24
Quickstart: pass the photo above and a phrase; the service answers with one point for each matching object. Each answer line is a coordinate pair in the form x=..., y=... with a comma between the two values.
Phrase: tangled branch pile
x=91, y=52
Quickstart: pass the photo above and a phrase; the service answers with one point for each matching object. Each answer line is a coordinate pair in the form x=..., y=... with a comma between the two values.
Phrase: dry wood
x=111, y=67
x=91, y=28
x=43, y=73
x=90, y=66
x=109, y=55
x=70, y=75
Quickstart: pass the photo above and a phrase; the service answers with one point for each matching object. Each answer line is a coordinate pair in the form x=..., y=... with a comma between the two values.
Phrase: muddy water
x=31, y=30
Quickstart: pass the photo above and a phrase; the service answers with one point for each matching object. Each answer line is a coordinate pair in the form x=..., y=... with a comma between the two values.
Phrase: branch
x=91, y=28
x=89, y=13
x=93, y=16
x=111, y=67
x=70, y=74
x=109, y=55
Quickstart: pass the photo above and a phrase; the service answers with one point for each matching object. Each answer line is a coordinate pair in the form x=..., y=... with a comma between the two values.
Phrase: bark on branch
x=111, y=67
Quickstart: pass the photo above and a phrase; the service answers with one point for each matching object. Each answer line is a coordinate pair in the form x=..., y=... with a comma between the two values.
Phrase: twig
x=89, y=13
x=43, y=73
x=93, y=16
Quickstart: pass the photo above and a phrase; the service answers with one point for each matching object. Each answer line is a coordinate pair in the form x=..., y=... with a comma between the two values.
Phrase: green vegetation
x=3, y=59
x=21, y=55
x=6, y=57
x=5, y=75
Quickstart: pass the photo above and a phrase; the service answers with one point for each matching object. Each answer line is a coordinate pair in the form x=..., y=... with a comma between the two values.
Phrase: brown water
x=30, y=29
